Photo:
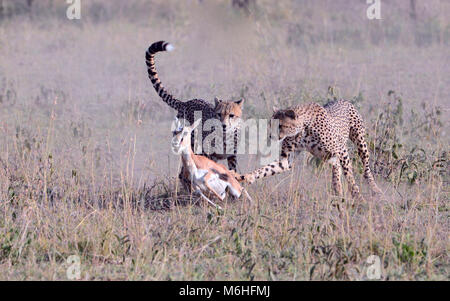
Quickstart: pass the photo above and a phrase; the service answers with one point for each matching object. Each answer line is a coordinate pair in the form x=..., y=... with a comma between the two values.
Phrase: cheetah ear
x=239, y=102
x=290, y=114
x=275, y=109
x=216, y=101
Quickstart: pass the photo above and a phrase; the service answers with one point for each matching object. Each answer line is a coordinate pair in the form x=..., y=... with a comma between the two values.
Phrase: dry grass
x=85, y=166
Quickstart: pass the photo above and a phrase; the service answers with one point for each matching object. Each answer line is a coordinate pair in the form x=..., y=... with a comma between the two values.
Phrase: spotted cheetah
x=228, y=112
x=324, y=132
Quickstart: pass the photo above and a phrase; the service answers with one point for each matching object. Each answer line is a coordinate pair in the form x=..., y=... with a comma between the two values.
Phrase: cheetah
x=228, y=112
x=324, y=132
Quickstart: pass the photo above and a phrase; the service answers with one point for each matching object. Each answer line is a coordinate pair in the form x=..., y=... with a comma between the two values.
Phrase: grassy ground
x=85, y=161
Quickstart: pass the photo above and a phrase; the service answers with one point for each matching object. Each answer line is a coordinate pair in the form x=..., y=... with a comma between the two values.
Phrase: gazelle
x=206, y=176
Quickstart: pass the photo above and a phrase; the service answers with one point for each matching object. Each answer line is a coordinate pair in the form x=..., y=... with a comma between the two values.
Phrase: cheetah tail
x=153, y=74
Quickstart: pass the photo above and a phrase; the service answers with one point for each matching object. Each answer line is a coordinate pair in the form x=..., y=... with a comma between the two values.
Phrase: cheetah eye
x=232, y=116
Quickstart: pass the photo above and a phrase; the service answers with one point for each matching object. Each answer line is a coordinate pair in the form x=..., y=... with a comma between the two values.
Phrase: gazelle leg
x=209, y=201
x=207, y=178
x=247, y=195
x=185, y=182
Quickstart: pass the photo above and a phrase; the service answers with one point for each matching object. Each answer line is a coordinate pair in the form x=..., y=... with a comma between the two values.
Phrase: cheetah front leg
x=276, y=167
x=268, y=170
x=232, y=162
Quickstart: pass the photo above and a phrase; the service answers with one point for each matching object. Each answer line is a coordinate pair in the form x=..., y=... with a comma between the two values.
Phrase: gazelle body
x=206, y=176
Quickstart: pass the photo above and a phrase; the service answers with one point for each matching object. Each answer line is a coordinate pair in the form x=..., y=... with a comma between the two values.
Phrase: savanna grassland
x=86, y=167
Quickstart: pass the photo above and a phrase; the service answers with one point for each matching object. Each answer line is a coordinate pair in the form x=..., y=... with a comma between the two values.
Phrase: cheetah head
x=287, y=122
x=229, y=113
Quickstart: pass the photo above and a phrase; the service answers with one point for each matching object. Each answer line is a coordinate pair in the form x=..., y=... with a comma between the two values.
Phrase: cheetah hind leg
x=336, y=176
x=338, y=197
x=348, y=173
x=357, y=138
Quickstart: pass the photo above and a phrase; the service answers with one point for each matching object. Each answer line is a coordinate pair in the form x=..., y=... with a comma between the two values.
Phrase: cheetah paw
x=249, y=178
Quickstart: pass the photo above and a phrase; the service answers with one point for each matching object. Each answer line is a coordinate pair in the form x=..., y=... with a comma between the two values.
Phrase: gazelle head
x=181, y=141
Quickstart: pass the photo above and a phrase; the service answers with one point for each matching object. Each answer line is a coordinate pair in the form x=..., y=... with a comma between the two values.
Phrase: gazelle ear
x=196, y=123
x=176, y=125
